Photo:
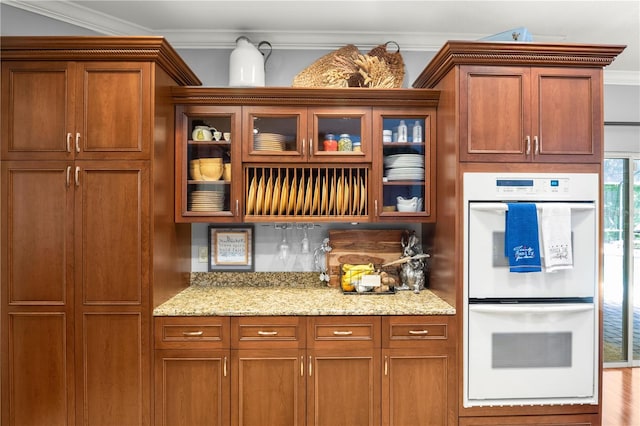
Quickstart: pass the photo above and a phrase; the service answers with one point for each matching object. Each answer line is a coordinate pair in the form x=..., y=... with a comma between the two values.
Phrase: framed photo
x=231, y=249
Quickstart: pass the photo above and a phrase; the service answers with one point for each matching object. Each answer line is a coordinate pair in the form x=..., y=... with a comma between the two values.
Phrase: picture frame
x=231, y=248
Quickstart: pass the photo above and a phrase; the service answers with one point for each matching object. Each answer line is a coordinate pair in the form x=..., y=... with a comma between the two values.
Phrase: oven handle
x=503, y=207
x=502, y=309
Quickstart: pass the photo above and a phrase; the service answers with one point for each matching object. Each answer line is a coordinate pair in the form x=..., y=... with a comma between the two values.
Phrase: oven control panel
x=532, y=186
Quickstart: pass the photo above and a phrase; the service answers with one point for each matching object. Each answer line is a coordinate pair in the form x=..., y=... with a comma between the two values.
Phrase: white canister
x=247, y=64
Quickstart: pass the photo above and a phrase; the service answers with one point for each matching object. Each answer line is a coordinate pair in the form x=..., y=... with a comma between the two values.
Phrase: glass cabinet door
x=274, y=133
x=340, y=134
x=405, y=142
x=209, y=167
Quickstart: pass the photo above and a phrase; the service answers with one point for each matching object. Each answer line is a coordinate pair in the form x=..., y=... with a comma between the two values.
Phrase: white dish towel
x=555, y=227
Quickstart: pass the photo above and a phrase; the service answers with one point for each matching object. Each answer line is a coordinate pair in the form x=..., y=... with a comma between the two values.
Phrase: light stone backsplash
x=267, y=237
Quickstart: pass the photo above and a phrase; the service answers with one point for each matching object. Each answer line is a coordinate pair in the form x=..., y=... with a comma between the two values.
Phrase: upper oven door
x=488, y=268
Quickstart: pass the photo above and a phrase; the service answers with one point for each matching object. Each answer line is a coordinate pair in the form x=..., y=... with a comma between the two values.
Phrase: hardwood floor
x=621, y=397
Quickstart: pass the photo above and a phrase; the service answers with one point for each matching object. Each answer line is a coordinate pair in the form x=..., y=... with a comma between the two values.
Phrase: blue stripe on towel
x=521, y=242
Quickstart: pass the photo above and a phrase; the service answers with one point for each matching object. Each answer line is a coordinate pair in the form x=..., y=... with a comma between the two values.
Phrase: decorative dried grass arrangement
x=347, y=67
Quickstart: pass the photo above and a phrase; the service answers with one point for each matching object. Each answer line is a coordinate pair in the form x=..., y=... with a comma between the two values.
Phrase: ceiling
x=329, y=24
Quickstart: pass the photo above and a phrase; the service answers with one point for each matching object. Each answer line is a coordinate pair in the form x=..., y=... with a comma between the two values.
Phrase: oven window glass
x=531, y=350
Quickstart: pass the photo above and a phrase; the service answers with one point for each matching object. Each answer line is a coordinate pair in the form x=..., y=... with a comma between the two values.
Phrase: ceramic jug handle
x=267, y=54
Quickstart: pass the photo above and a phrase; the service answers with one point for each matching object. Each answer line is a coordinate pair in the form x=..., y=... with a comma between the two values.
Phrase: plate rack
x=306, y=192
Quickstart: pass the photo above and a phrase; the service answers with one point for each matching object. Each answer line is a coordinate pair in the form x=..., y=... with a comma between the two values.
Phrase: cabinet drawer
x=410, y=331
x=362, y=332
x=267, y=332
x=192, y=332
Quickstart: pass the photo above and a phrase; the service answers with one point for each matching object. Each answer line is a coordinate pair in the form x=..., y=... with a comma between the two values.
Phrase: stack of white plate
x=405, y=173
x=404, y=160
x=268, y=142
x=207, y=201
x=404, y=167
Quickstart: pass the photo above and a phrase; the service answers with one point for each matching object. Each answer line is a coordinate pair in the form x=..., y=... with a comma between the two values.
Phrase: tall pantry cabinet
x=510, y=107
x=88, y=241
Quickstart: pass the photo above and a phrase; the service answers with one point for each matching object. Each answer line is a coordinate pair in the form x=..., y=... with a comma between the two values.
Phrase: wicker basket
x=331, y=70
x=347, y=67
x=394, y=65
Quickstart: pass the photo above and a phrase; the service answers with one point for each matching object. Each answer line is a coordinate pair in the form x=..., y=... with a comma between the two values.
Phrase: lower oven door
x=531, y=354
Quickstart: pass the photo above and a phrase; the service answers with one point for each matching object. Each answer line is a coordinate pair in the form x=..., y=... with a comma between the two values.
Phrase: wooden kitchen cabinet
x=343, y=384
x=524, y=114
x=287, y=175
x=494, y=95
x=295, y=134
x=61, y=110
x=82, y=157
x=406, y=169
x=202, y=198
x=192, y=371
x=418, y=382
x=319, y=370
x=268, y=371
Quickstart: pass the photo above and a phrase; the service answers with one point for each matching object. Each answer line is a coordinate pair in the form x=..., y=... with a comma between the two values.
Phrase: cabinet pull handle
x=343, y=333
x=386, y=365
x=224, y=367
x=304, y=146
x=375, y=205
x=267, y=333
x=528, y=141
x=311, y=147
x=301, y=366
x=310, y=366
x=69, y=136
x=77, y=175
x=418, y=332
x=536, y=145
x=68, y=175
x=78, y=142
x=237, y=207
x=192, y=333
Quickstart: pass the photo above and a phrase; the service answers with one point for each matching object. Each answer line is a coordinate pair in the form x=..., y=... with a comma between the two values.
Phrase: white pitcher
x=247, y=63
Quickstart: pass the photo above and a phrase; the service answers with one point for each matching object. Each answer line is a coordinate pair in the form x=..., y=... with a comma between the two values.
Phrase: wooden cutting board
x=375, y=246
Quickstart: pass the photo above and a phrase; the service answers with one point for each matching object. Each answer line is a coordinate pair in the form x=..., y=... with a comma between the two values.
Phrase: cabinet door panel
x=192, y=388
x=38, y=233
x=494, y=113
x=343, y=388
x=112, y=213
x=39, y=359
x=415, y=388
x=569, y=115
x=113, y=371
x=268, y=387
x=37, y=110
x=115, y=114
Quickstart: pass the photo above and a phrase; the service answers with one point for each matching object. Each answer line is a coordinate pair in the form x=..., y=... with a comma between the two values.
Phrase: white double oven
x=529, y=338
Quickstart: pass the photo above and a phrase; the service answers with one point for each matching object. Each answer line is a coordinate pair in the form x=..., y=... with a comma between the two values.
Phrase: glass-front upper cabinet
x=405, y=181
x=292, y=134
x=209, y=168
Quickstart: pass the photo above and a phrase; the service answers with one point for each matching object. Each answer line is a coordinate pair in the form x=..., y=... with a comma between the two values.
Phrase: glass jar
x=344, y=143
x=330, y=143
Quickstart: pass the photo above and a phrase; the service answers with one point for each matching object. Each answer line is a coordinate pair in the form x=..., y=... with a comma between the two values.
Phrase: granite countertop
x=253, y=294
